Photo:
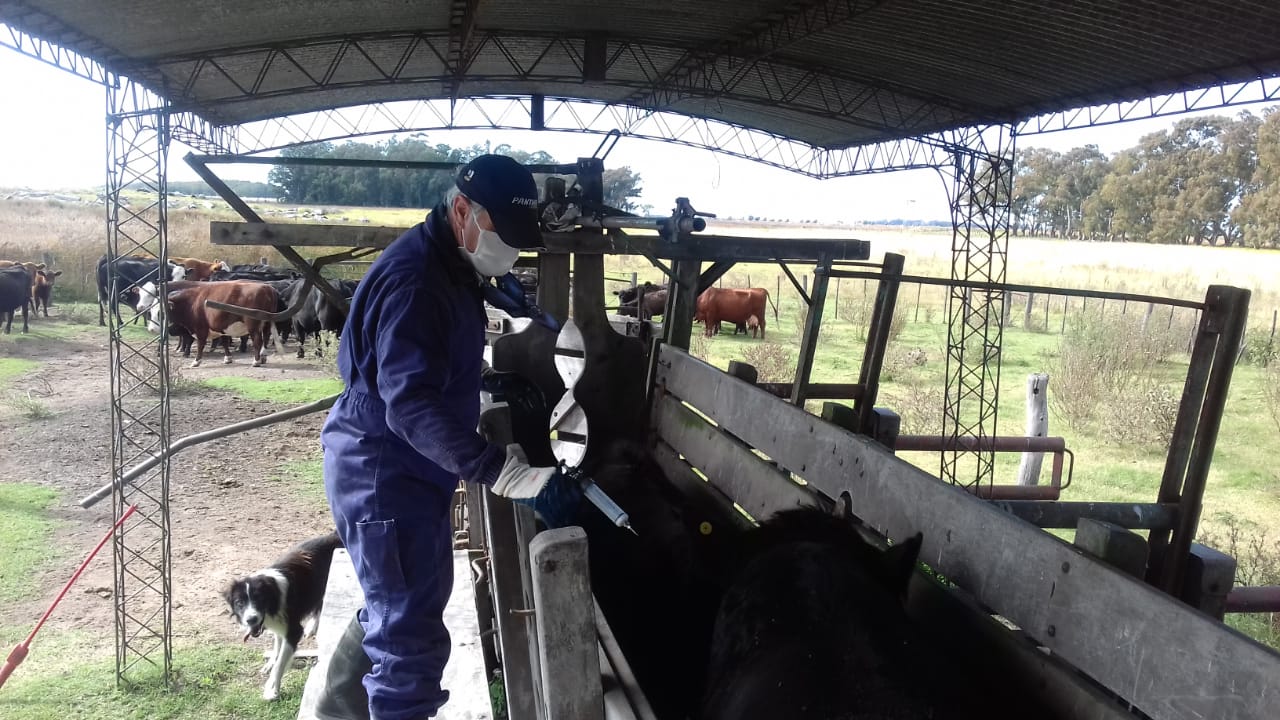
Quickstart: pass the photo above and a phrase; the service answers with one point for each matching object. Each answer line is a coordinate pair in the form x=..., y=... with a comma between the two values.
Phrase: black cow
x=660, y=589
x=318, y=314
x=130, y=273
x=655, y=300
x=813, y=625
x=260, y=272
x=15, y=292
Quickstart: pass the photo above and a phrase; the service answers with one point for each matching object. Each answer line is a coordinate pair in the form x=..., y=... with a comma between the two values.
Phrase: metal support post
x=137, y=152
x=980, y=184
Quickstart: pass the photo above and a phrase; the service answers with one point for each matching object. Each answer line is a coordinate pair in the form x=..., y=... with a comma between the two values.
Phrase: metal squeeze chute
x=597, y=376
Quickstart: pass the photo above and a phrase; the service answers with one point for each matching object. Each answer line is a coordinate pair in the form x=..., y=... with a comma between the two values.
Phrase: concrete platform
x=464, y=676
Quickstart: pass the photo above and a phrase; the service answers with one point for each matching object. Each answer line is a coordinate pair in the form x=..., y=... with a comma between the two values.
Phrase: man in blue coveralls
x=404, y=430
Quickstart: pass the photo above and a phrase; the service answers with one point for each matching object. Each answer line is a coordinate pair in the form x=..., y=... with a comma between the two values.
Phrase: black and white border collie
x=279, y=598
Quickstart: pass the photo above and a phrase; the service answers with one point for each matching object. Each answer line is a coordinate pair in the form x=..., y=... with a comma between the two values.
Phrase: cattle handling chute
x=697, y=458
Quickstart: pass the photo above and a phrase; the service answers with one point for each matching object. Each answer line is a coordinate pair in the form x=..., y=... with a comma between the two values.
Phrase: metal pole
x=191, y=440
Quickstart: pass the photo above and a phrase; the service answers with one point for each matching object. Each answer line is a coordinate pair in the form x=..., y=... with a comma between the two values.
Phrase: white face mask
x=492, y=256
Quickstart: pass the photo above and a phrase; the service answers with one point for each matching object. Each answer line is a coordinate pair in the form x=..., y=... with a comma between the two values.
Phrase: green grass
x=11, y=368
x=281, y=391
x=25, y=533
x=72, y=675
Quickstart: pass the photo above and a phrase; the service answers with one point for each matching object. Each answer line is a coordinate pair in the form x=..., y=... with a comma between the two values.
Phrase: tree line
x=1206, y=180
x=388, y=187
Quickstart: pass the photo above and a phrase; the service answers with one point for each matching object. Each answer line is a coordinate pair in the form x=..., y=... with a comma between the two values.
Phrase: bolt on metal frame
x=137, y=150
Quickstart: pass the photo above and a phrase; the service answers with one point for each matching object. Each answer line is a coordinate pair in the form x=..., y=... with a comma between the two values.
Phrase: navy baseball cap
x=508, y=191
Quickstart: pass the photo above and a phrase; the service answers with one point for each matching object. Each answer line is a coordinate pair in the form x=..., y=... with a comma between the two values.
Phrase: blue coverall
x=395, y=443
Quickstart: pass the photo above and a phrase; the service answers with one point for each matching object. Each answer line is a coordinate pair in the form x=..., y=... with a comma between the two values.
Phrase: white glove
x=517, y=479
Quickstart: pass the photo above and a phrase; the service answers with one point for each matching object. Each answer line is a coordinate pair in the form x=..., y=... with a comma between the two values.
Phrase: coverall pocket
x=381, y=573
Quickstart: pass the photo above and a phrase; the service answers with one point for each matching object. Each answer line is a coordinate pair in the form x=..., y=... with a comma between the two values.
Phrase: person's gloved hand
x=554, y=497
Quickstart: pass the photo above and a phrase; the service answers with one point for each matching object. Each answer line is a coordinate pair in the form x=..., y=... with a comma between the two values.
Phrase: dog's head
x=252, y=600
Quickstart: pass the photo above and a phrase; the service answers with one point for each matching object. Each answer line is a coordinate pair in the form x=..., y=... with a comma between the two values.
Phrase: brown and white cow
x=738, y=306
x=200, y=269
x=32, y=270
x=187, y=308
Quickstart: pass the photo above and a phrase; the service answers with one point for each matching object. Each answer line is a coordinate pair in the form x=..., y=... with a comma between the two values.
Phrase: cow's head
x=147, y=301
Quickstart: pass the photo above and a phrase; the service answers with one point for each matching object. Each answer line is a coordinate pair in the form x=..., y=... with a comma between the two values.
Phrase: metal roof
x=830, y=74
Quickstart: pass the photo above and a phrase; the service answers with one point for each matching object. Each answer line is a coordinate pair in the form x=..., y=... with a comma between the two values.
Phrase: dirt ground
x=228, y=513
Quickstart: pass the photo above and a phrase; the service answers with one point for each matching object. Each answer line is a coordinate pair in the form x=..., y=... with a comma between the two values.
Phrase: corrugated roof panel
x=831, y=74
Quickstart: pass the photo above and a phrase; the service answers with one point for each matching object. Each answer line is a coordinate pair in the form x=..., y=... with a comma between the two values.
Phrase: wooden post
x=1266, y=360
x=1146, y=316
x=1170, y=325
x=837, y=295
x=804, y=281
x=919, y=287
x=1026, y=311
x=565, y=612
x=748, y=279
x=1066, y=310
x=1004, y=315
x=1124, y=306
x=1037, y=426
x=1048, y=299
x=744, y=371
x=677, y=324
x=635, y=280
x=777, y=290
x=812, y=326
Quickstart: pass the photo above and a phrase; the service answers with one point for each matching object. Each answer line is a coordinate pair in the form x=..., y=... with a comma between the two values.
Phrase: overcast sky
x=52, y=137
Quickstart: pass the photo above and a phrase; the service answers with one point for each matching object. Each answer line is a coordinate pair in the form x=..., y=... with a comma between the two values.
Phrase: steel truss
x=564, y=115
x=979, y=185
x=137, y=147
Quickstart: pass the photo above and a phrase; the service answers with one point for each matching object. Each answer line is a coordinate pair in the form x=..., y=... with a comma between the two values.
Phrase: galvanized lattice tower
x=137, y=149
x=979, y=186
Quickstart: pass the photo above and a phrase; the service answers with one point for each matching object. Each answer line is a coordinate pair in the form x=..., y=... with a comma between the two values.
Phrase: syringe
x=600, y=499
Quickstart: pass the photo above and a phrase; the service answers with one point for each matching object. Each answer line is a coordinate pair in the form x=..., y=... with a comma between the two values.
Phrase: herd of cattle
x=745, y=308
x=26, y=286
x=190, y=283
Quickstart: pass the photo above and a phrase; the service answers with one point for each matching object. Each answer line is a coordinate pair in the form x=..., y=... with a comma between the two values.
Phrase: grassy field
x=69, y=675
x=25, y=532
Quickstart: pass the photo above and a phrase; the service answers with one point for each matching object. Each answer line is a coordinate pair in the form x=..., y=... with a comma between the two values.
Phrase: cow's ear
x=56, y=273
x=900, y=561
x=844, y=506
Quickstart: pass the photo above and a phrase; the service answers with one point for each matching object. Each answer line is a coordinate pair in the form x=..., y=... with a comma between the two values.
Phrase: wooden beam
x=1169, y=660
x=1056, y=514
x=760, y=488
x=298, y=234
x=713, y=248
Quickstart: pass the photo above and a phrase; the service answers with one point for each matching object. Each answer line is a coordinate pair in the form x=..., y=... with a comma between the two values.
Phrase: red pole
x=19, y=652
